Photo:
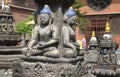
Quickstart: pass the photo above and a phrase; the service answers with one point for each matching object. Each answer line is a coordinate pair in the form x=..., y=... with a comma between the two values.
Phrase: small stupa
x=8, y=37
x=93, y=43
x=9, y=51
x=107, y=39
x=107, y=34
x=103, y=61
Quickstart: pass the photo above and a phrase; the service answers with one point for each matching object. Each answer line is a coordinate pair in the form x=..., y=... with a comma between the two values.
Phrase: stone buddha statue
x=68, y=35
x=44, y=39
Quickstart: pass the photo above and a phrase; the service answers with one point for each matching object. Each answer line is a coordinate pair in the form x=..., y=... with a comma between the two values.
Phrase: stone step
x=9, y=58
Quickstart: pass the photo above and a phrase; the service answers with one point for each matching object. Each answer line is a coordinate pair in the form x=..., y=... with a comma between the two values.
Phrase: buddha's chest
x=45, y=33
x=71, y=34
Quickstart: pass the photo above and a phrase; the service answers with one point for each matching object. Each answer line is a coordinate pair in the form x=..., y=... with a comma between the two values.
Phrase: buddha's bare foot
x=54, y=54
x=69, y=53
x=24, y=50
x=29, y=53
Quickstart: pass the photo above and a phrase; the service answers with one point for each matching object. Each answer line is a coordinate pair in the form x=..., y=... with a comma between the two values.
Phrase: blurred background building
x=98, y=12
x=20, y=9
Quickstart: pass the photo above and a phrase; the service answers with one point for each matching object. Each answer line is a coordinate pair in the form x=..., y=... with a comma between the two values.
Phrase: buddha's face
x=72, y=20
x=44, y=18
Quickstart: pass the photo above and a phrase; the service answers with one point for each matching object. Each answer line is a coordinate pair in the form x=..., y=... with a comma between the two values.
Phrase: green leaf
x=81, y=20
x=22, y=28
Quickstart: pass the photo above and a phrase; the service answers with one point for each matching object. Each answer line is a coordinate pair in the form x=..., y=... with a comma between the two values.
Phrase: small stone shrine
x=104, y=61
x=93, y=43
x=52, y=51
x=9, y=51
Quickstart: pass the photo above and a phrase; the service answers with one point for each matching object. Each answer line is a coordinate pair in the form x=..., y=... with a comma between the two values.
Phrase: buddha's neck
x=44, y=25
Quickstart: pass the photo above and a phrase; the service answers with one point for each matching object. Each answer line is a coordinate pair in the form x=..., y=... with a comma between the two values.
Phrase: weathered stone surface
x=49, y=68
x=52, y=51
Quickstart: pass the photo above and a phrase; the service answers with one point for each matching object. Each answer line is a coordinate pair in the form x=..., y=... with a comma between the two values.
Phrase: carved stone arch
x=98, y=5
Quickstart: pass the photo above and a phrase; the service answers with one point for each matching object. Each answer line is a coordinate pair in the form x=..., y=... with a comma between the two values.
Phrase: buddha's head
x=70, y=16
x=45, y=14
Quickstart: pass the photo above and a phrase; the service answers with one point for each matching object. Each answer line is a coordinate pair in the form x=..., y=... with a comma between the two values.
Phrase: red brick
x=78, y=35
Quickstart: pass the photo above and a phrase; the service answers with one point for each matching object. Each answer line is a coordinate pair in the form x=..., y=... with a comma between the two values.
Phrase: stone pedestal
x=40, y=66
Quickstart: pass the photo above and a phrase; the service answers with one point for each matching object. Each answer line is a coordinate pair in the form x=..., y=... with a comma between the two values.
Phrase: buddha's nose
x=74, y=21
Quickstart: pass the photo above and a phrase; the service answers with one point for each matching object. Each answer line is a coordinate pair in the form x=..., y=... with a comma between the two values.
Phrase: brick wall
x=28, y=3
x=83, y=2
x=115, y=1
x=24, y=3
x=0, y=1
x=20, y=14
x=117, y=39
x=31, y=4
x=78, y=35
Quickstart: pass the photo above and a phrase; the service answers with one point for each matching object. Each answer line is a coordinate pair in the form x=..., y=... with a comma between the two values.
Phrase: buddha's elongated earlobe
x=65, y=18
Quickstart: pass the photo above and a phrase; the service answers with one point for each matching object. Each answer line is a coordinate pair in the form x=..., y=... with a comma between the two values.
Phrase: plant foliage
x=81, y=20
x=22, y=28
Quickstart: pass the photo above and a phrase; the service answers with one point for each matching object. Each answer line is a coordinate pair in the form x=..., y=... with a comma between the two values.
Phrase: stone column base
x=47, y=67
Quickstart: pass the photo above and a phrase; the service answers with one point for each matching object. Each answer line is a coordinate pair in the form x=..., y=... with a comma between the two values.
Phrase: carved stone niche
x=41, y=66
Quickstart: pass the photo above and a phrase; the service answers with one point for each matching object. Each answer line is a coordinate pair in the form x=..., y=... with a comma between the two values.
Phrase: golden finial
x=93, y=33
x=6, y=2
x=107, y=29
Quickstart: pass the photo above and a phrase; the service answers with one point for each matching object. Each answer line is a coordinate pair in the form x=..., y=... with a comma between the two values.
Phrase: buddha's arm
x=68, y=44
x=55, y=35
x=52, y=41
x=66, y=38
x=34, y=38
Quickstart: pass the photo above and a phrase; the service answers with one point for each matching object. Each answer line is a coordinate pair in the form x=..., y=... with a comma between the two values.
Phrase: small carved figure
x=44, y=39
x=10, y=28
x=3, y=20
x=68, y=35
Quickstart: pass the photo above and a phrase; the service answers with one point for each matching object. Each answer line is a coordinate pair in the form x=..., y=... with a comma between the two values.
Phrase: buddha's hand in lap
x=75, y=50
x=77, y=46
x=41, y=45
x=29, y=53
